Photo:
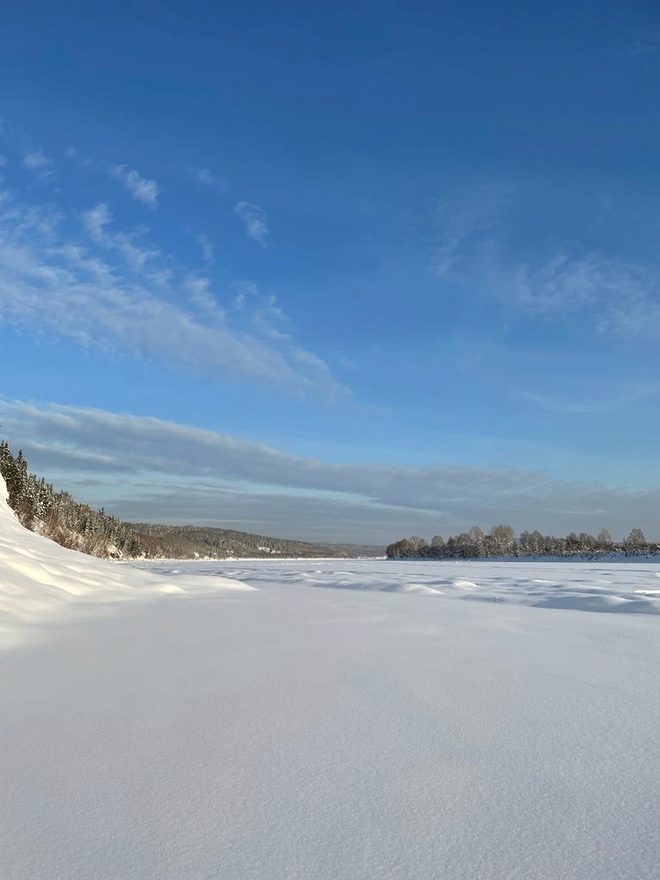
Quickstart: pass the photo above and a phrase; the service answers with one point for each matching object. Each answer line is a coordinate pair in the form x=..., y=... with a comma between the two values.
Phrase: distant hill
x=190, y=542
x=71, y=523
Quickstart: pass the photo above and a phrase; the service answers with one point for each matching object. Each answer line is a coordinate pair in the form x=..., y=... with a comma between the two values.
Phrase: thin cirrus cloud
x=146, y=261
x=206, y=247
x=38, y=163
x=252, y=216
x=618, y=297
x=463, y=221
x=107, y=290
x=605, y=399
x=142, y=189
x=208, y=178
x=254, y=220
x=219, y=476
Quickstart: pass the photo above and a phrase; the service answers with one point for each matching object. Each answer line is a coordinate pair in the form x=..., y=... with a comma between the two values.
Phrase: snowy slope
x=358, y=720
x=42, y=582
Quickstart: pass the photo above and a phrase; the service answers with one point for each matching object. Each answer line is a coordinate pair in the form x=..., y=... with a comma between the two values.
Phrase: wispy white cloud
x=206, y=177
x=200, y=294
x=3, y=161
x=206, y=247
x=556, y=404
x=565, y=283
x=107, y=291
x=265, y=315
x=461, y=222
x=383, y=501
x=97, y=221
x=141, y=188
x=616, y=296
x=254, y=220
x=246, y=292
x=600, y=400
x=36, y=161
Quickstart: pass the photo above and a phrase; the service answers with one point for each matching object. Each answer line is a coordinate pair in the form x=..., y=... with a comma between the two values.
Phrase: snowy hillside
x=41, y=582
x=363, y=720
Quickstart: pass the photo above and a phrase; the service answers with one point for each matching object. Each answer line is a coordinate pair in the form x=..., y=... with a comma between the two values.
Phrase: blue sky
x=373, y=269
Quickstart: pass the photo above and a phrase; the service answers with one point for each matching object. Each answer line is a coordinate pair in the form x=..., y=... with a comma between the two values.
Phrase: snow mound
x=42, y=582
x=462, y=584
x=599, y=603
x=617, y=588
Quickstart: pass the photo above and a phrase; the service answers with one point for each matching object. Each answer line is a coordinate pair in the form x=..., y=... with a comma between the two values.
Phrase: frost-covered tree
x=587, y=542
x=416, y=542
x=403, y=549
x=636, y=538
x=502, y=538
x=635, y=543
x=58, y=516
x=531, y=543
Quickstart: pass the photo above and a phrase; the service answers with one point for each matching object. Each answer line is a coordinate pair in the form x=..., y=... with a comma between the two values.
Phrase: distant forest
x=501, y=541
x=58, y=516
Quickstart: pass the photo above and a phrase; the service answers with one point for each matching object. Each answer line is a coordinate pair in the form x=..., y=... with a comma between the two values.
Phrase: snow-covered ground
x=622, y=587
x=362, y=719
x=42, y=583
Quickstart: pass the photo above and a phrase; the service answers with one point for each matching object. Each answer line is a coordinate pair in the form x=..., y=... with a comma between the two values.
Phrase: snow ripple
x=618, y=588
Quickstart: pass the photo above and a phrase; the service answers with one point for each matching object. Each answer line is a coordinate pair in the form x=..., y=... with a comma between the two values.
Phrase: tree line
x=501, y=540
x=58, y=516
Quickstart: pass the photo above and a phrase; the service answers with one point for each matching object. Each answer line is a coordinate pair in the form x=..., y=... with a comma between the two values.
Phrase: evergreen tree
x=58, y=516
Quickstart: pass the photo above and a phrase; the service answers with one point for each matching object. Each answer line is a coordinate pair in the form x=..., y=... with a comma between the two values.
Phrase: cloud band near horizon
x=176, y=473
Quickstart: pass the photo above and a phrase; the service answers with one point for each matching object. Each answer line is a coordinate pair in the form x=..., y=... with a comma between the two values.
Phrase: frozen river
x=345, y=719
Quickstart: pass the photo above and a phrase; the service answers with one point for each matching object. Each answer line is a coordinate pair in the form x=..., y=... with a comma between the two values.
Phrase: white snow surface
x=347, y=719
x=41, y=582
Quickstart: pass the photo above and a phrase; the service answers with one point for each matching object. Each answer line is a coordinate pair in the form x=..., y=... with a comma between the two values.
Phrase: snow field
x=346, y=719
x=621, y=587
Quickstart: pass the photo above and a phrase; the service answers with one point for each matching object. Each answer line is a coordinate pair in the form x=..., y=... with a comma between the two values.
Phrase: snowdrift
x=42, y=582
x=611, y=588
